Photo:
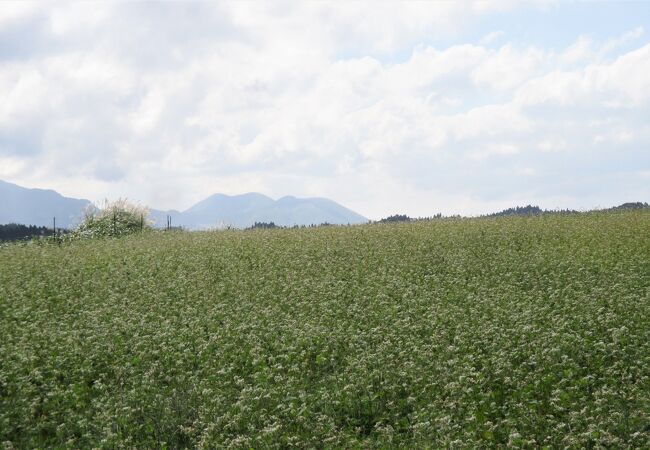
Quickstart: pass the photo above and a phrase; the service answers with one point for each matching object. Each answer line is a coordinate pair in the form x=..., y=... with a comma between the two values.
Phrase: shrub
x=112, y=219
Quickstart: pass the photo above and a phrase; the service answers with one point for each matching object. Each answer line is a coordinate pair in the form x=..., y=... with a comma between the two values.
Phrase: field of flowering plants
x=526, y=332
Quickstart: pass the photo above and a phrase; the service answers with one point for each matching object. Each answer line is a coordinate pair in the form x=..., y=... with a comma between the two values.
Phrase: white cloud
x=16, y=11
x=552, y=145
x=579, y=51
x=490, y=150
x=169, y=103
x=624, y=39
x=11, y=166
x=508, y=67
x=491, y=38
x=621, y=83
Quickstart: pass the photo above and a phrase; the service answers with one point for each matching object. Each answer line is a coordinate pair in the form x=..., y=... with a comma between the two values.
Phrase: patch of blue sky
x=553, y=27
x=558, y=26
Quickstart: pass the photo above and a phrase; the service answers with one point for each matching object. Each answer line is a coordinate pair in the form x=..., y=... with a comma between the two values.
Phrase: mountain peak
x=244, y=210
x=38, y=206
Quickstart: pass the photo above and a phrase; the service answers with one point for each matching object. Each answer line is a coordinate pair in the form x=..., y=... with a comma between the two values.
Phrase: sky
x=414, y=108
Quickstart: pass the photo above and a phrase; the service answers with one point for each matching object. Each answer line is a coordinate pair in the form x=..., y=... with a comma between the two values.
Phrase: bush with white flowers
x=113, y=219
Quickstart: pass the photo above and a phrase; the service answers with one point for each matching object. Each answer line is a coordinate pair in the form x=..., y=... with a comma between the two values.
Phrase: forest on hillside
x=14, y=232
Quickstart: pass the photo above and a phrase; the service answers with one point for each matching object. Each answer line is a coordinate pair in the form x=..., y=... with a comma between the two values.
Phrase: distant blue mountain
x=241, y=211
x=38, y=207
x=238, y=211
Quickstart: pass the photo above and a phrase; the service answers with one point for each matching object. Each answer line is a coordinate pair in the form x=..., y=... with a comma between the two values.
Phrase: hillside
x=38, y=206
x=520, y=331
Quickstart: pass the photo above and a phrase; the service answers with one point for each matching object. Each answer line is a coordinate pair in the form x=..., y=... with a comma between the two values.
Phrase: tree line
x=528, y=210
x=15, y=232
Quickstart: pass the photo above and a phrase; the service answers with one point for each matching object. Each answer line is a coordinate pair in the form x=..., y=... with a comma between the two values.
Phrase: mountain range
x=241, y=211
x=40, y=206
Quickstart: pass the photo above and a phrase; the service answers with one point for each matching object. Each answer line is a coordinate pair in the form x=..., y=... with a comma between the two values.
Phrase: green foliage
x=13, y=232
x=396, y=218
x=521, y=211
x=524, y=332
x=113, y=219
x=632, y=205
x=263, y=225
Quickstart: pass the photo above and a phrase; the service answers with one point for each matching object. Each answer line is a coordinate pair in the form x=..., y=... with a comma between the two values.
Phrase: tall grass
x=523, y=332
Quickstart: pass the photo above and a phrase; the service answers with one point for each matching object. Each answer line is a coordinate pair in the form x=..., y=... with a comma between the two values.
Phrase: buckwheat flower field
x=510, y=332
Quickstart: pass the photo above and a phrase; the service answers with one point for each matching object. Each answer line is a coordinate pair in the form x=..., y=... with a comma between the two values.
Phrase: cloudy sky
x=417, y=108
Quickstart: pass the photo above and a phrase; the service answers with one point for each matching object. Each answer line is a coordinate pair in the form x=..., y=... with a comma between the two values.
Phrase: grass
x=521, y=331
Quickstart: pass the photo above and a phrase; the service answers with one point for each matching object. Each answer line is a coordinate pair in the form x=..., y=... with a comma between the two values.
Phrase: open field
x=528, y=332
